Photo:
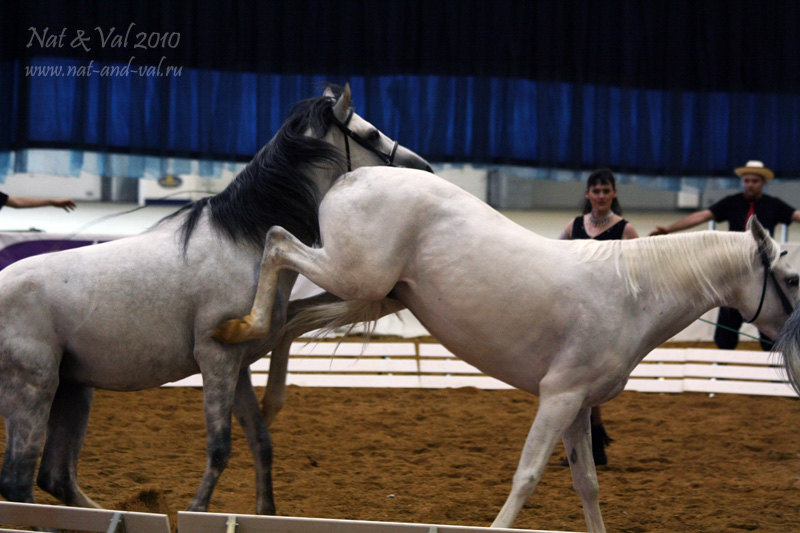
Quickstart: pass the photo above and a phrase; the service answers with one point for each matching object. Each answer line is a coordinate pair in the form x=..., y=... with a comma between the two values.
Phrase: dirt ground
x=679, y=462
x=683, y=462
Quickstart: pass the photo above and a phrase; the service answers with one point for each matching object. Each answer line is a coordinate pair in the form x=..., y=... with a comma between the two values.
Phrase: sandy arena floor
x=685, y=462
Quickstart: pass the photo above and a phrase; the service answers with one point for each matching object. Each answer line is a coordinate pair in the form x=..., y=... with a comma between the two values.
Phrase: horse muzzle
x=406, y=158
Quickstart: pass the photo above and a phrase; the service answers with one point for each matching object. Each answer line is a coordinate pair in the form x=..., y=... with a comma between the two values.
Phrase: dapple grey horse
x=138, y=312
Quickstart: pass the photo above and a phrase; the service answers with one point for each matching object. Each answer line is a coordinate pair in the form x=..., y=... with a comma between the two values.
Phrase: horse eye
x=373, y=136
x=793, y=281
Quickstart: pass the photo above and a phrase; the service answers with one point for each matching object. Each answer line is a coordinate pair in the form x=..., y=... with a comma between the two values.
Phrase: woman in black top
x=602, y=220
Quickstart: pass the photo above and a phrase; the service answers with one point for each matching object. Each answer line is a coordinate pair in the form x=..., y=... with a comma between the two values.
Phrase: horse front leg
x=556, y=412
x=343, y=267
x=246, y=409
x=279, y=245
x=578, y=444
x=275, y=394
x=66, y=430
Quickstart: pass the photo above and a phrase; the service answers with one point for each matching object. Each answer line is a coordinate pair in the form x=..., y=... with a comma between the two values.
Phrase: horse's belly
x=128, y=363
x=123, y=376
x=503, y=351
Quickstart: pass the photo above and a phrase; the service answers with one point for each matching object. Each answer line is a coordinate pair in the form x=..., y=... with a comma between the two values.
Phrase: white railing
x=80, y=519
x=224, y=523
x=109, y=521
x=415, y=364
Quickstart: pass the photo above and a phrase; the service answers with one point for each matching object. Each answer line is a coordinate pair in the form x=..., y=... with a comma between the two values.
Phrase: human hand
x=65, y=203
x=660, y=230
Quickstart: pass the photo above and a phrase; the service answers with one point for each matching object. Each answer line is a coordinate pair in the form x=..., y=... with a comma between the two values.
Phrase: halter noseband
x=349, y=134
x=770, y=273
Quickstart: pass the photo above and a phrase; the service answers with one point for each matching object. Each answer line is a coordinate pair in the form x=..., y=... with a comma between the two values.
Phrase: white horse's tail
x=788, y=343
x=327, y=316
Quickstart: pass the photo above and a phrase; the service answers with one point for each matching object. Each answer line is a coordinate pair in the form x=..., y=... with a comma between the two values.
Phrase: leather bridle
x=769, y=273
x=388, y=159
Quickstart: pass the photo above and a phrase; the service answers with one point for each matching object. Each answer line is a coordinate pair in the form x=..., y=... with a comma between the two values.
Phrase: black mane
x=271, y=190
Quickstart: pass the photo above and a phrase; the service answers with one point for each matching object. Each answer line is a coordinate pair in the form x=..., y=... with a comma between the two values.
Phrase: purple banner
x=21, y=249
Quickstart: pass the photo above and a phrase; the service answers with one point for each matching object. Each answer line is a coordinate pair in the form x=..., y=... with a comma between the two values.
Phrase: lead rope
x=759, y=339
x=126, y=212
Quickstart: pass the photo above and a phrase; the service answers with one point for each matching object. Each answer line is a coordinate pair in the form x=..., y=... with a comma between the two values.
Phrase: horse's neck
x=323, y=177
x=207, y=242
x=700, y=269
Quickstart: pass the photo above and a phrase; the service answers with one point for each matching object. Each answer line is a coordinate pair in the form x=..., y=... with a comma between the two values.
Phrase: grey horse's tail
x=327, y=316
x=788, y=343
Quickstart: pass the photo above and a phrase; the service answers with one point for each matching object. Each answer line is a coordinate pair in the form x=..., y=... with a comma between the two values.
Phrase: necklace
x=602, y=221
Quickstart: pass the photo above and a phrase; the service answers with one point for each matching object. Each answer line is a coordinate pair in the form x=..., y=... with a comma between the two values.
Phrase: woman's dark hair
x=601, y=177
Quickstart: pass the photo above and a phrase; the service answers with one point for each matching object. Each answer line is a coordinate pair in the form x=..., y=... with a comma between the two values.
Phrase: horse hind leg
x=578, y=444
x=555, y=413
x=29, y=371
x=23, y=442
x=246, y=410
x=66, y=429
x=220, y=371
x=25, y=430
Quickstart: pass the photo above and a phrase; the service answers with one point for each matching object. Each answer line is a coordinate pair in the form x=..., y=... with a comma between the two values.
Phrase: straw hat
x=755, y=167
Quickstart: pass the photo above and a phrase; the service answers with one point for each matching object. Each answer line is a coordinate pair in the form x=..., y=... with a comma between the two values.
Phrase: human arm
x=689, y=221
x=21, y=202
x=796, y=216
x=566, y=234
x=629, y=232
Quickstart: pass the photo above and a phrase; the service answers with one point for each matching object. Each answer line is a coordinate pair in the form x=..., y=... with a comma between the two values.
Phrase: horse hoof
x=238, y=330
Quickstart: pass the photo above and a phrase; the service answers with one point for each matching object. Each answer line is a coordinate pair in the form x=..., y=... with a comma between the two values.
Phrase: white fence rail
x=224, y=523
x=413, y=364
x=79, y=519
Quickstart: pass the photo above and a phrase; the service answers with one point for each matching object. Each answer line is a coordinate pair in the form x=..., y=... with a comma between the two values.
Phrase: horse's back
x=479, y=282
x=131, y=307
x=391, y=201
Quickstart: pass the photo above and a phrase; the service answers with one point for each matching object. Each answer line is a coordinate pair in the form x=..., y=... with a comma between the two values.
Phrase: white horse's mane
x=698, y=262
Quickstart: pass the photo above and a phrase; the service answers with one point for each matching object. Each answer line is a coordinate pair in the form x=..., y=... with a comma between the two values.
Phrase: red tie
x=750, y=212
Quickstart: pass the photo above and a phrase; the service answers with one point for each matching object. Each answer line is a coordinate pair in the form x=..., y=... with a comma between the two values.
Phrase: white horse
x=138, y=312
x=567, y=320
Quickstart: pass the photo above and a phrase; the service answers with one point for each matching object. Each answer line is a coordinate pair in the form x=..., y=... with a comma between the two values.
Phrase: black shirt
x=769, y=210
x=3, y=199
x=612, y=233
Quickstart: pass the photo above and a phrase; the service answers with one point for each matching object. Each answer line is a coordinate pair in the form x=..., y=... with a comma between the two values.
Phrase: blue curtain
x=203, y=120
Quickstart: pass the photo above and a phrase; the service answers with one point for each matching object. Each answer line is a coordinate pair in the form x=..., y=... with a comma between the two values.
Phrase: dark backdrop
x=673, y=87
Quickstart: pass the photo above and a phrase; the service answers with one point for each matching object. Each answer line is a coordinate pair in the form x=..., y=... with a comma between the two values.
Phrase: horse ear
x=759, y=233
x=343, y=104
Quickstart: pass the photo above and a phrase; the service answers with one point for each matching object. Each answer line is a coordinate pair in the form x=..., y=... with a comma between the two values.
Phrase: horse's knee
x=278, y=244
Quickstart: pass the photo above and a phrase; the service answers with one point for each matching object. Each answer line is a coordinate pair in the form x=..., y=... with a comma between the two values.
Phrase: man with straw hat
x=737, y=209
